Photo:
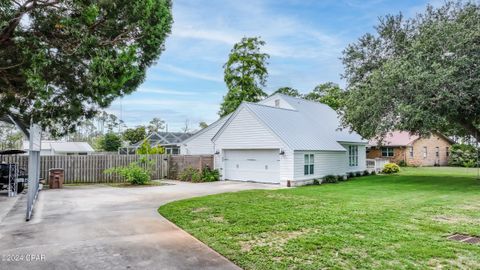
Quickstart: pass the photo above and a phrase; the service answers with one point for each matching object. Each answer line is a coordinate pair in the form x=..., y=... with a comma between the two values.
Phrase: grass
x=373, y=222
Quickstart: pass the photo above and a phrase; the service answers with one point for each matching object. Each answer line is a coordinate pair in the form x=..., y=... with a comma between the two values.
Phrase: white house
x=280, y=140
x=50, y=148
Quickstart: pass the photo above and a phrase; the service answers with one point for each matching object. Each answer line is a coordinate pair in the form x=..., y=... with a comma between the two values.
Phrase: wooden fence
x=90, y=169
x=178, y=163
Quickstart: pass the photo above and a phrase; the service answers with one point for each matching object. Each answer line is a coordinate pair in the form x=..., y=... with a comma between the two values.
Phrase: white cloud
x=189, y=73
x=166, y=91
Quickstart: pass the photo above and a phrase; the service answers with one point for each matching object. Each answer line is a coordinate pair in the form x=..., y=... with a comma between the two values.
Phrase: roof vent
x=277, y=103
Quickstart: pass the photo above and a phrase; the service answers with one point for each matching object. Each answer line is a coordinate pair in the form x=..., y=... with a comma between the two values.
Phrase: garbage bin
x=56, y=178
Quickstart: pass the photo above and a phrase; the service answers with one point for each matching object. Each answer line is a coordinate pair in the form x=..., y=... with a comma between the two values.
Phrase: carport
x=33, y=133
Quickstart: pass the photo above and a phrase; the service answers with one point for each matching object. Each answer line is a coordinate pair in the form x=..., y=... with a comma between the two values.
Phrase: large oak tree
x=420, y=74
x=63, y=60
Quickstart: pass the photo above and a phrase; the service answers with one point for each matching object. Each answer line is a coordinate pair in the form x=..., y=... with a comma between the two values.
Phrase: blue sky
x=304, y=38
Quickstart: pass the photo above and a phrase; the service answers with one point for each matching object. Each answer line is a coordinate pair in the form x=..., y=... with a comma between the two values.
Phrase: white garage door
x=252, y=165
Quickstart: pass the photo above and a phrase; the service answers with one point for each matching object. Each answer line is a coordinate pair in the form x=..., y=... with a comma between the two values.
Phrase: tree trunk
x=471, y=128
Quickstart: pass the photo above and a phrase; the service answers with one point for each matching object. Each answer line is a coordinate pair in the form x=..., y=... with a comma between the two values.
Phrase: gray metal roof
x=309, y=126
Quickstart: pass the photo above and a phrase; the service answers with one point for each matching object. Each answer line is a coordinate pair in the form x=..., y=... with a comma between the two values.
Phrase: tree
x=288, y=91
x=10, y=137
x=133, y=135
x=155, y=125
x=202, y=125
x=186, y=127
x=328, y=93
x=61, y=61
x=419, y=75
x=245, y=73
x=146, y=149
x=109, y=142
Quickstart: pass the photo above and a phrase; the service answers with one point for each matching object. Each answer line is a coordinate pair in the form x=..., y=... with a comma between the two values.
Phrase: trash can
x=56, y=178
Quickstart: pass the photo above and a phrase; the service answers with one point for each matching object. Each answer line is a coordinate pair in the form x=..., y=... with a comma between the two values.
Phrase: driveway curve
x=100, y=227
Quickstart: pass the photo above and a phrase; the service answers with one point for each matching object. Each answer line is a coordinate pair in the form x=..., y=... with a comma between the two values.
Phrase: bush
x=462, y=155
x=209, y=175
x=402, y=163
x=366, y=173
x=373, y=173
x=133, y=173
x=390, y=168
x=194, y=175
x=316, y=182
x=350, y=175
x=341, y=178
x=330, y=179
x=358, y=174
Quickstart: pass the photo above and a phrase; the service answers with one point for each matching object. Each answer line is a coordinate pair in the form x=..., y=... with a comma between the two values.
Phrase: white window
x=308, y=167
x=437, y=151
x=277, y=103
x=448, y=151
x=424, y=152
x=387, y=151
x=411, y=151
x=353, y=155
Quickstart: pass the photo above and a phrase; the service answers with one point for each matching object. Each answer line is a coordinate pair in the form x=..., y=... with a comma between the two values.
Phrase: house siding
x=202, y=144
x=325, y=163
x=245, y=131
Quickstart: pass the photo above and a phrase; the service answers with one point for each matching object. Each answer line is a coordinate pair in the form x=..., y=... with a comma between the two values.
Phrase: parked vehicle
x=9, y=173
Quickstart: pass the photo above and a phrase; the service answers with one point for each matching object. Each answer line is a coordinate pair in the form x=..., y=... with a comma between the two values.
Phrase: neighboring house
x=401, y=146
x=50, y=148
x=168, y=140
x=280, y=140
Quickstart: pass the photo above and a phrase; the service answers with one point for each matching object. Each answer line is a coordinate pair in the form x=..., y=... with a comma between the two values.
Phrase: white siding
x=245, y=131
x=362, y=158
x=271, y=102
x=202, y=144
x=326, y=162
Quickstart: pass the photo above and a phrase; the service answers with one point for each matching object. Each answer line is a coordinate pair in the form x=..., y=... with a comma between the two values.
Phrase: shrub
x=133, y=173
x=366, y=173
x=350, y=175
x=358, y=174
x=373, y=173
x=196, y=176
x=330, y=179
x=316, y=182
x=341, y=178
x=390, y=168
x=402, y=163
x=209, y=175
x=463, y=155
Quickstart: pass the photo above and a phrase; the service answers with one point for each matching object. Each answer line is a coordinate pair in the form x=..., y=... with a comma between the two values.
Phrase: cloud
x=166, y=91
x=189, y=73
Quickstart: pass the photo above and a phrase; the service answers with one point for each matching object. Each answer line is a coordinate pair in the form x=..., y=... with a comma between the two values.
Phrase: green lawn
x=380, y=222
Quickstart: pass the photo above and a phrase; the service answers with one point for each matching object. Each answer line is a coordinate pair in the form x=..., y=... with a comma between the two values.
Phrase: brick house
x=413, y=149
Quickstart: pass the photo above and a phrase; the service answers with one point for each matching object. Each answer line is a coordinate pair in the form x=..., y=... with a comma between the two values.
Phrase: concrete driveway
x=99, y=227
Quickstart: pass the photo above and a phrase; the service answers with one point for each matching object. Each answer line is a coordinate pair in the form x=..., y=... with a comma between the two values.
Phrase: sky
x=304, y=39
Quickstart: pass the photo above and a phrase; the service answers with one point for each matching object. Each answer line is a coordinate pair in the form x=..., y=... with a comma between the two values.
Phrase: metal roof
x=63, y=147
x=309, y=126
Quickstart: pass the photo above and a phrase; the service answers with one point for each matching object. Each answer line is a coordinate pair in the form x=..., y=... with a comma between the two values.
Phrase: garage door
x=252, y=165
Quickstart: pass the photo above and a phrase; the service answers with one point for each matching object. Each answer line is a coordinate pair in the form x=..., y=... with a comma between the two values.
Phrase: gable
x=244, y=130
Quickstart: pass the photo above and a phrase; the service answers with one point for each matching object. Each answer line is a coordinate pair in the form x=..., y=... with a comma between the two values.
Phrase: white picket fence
x=376, y=164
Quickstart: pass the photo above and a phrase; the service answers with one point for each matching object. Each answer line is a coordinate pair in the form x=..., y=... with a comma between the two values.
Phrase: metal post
x=33, y=168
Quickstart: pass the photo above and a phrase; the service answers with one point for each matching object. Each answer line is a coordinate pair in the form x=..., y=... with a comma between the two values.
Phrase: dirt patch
x=200, y=209
x=218, y=219
x=456, y=219
x=276, y=239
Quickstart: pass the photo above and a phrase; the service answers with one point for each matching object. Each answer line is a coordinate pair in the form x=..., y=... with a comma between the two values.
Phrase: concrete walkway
x=99, y=228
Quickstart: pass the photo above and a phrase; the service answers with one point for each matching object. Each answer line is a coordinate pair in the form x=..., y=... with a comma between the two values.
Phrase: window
x=387, y=151
x=277, y=103
x=447, y=151
x=353, y=155
x=308, y=164
x=424, y=152
x=437, y=151
x=411, y=151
